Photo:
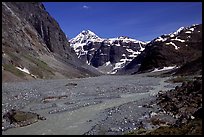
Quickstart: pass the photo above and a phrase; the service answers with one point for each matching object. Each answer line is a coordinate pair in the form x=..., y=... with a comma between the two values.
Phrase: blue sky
x=140, y=20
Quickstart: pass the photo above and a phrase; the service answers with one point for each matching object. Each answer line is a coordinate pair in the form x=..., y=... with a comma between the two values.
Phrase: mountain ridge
x=172, y=42
x=89, y=47
x=171, y=49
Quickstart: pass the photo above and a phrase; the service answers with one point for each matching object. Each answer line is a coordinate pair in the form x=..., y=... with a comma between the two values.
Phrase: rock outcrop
x=184, y=102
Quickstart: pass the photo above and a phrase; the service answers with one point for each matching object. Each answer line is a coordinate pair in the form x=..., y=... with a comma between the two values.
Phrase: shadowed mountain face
x=191, y=68
x=178, y=48
x=34, y=46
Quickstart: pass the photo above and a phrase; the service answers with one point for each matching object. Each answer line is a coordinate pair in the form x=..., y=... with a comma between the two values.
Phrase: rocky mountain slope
x=34, y=46
x=174, y=49
x=191, y=68
x=108, y=55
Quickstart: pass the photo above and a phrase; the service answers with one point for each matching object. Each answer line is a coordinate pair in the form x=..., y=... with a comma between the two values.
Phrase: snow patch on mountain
x=188, y=32
x=171, y=43
x=180, y=40
x=164, y=68
x=160, y=39
x=108, y=63
x=25, y=70
x=178, y=31
x=125, y=39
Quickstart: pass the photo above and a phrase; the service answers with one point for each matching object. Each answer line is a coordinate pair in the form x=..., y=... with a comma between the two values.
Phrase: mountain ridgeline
x=130, y=56
x=108, y=55
x=35, y=47
x=178, y=48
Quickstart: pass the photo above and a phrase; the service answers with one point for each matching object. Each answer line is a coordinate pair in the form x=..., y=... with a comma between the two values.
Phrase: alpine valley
x=88, y=85
x=34, y=46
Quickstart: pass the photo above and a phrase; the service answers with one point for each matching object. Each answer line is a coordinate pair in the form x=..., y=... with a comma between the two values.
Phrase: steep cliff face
x=48, y=29
x=108, y=55
x=116, y=49
x=34, y=46
x=178, y=48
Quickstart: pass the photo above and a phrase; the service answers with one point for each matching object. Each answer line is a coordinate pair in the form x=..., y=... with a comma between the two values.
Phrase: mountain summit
x=108, y=55
x=84, y=37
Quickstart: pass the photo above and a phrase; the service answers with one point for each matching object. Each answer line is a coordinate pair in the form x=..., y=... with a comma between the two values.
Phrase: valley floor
x=96, y=105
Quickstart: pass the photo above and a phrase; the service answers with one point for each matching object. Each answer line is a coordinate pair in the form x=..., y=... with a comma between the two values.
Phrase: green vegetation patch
x=41, y=67
x=38, y=62
x=14, y=70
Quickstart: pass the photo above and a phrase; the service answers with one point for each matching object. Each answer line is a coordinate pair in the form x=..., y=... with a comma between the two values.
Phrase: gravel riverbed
x=96, y=105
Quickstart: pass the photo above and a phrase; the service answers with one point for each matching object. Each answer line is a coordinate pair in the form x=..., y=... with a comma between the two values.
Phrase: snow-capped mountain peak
x=107, y=54
x=84, y=37
x=88, y=32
